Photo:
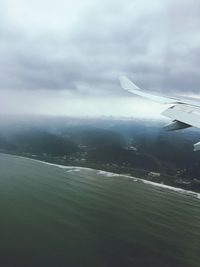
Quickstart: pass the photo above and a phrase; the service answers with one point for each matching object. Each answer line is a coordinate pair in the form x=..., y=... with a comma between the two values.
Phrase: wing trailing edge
x=176, y=125
x=184, y=113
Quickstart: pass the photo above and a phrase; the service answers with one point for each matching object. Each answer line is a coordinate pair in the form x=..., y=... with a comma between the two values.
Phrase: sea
x=62, y=216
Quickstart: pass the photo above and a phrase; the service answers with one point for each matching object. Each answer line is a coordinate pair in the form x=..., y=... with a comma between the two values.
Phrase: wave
x=107, y=174
x=135, y=179
x=111, y=174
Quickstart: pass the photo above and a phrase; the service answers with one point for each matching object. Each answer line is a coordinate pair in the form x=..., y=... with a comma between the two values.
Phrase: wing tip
x=127, y=84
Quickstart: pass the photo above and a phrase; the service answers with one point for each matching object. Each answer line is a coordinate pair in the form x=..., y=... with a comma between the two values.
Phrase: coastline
x=112, y=174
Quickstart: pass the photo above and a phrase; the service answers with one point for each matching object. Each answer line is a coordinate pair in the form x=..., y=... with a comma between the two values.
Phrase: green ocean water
x=51, y=216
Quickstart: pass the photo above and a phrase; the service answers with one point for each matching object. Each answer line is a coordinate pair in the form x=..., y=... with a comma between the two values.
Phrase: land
x=125, y=146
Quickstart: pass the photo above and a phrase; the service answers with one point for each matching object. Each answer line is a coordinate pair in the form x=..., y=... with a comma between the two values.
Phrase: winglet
x=126, y=84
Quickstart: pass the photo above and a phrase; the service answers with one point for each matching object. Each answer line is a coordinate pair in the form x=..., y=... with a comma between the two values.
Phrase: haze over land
x=134, y=147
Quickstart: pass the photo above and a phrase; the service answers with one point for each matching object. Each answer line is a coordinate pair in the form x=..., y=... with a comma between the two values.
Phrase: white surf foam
x=176, y=189
x=135, y=179
x=111, y=174
x=107, y=174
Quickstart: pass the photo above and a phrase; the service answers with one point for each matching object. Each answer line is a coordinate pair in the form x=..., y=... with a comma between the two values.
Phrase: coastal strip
x=111, y=174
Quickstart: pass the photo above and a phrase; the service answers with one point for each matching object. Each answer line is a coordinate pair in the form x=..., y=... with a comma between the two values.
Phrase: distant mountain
x=106, y=141
x=39, y=142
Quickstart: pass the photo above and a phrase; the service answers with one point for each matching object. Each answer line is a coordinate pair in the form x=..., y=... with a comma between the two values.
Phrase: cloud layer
x=83, y=46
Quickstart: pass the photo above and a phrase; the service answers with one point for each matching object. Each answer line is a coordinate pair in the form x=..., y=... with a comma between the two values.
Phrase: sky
x=61, y=57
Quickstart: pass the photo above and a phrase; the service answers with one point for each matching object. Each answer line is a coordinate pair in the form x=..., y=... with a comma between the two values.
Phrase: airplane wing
x=184, y=112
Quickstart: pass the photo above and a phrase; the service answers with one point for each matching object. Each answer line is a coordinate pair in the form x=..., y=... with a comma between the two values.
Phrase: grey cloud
x=157, y=45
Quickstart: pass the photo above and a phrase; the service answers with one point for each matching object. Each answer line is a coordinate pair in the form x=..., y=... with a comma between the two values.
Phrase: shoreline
x=112, y=174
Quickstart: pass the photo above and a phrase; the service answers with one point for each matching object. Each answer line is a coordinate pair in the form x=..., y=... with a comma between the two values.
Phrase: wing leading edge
x=184, y=112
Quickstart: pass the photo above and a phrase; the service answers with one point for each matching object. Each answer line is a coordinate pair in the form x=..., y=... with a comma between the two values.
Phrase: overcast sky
x=64, y=57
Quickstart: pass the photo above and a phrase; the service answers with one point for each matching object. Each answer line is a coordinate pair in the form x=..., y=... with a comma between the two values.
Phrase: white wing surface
x=185, y=112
